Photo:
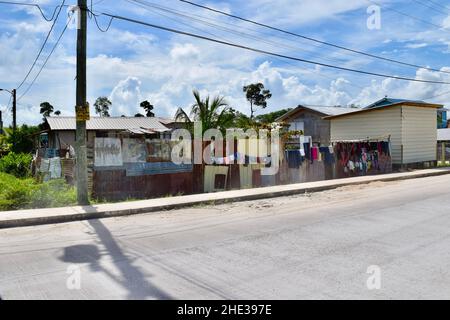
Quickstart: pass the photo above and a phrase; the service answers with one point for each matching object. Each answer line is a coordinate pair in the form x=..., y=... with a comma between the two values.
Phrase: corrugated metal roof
x=443, y=135
x=108, y=123
x=389, y=101
x=325, y=110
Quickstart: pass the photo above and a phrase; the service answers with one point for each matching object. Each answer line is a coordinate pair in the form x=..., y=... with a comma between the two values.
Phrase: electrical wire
x=98, y=25
x=438, y=95
x=268, y=52
x=439, y=5
x=403, y=14
x=36, y=6
x=276, y=44
x=313, y=39
x=430, y=7
x=42, y=47
x=46, y=60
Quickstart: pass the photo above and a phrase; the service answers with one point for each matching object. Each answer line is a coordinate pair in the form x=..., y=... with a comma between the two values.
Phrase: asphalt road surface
x=312, y=246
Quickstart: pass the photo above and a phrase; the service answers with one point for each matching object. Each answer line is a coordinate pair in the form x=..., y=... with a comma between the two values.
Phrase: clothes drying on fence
x=55, y=169
x=362, y=157
x=294, y=159
x=327, y=155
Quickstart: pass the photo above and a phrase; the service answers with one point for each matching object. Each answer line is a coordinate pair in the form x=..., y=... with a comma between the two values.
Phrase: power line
x=46, y=60
x=430, y=7
x=438, y=4
x=268, y=52
x=313, y=39
x=276, y=44
x=438, y=95
x=36, y=6
x=404, y=14
x=42, y=47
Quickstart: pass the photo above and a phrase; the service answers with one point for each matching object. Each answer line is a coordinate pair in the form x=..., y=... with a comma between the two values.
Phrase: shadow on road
x=130, y=278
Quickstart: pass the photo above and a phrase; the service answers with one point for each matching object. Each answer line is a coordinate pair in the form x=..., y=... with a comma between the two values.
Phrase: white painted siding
x=419, y=134
x=373, y=124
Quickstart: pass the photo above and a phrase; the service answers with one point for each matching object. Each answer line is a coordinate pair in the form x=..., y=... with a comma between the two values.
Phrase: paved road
x=302, y=247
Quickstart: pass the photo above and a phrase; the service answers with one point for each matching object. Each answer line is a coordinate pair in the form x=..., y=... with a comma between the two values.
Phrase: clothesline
x=368, y=139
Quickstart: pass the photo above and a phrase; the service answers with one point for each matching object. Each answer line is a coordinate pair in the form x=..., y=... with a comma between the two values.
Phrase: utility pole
x=14, y=109
x=82, y=108
x=1, y=123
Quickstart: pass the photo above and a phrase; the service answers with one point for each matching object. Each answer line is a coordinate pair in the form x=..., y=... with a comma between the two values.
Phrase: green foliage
x=148, y=107
x=257, y=96
x=5, y=146
x=46, y=109
x=15, y=193
x=102, y=105
x=212, y=114
x=18, y=194
x=54, y=193
x=22, y=140
x=272, y=116
x=16, y=164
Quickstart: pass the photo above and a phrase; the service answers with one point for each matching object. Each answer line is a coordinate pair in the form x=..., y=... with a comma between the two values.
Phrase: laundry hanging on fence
x=294, y=159
x=364, y=157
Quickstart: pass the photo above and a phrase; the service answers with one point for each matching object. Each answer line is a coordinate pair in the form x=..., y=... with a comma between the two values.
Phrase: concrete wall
x=419, y=134
x=373, y=124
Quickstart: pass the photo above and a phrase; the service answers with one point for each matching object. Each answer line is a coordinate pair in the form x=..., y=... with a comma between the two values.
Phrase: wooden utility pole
x=82, y=112
x=1, y=123
x=14, y=109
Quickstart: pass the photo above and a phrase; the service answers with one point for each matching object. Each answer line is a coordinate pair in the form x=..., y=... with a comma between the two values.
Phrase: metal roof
x=393, y=103
x=108, y=123
x=325, y=110
x=443, y=135
x=390, y=101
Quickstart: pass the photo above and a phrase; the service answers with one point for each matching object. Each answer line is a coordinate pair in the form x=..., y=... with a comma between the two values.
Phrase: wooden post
x=81, y=106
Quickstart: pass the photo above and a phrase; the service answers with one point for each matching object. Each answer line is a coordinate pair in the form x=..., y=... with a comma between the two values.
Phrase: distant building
x=309, y=119
x=410, y=125
x=61, y=130
x=443, y=118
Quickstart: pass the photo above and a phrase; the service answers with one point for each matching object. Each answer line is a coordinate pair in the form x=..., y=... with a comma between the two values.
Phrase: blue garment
x=327, y=155
x=294, y=159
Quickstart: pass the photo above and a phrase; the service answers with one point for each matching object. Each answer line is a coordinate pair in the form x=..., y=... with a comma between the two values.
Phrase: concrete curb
x=24, y=218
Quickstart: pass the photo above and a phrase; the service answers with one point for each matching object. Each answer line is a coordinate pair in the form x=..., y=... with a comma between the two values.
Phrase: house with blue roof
x=410, y=126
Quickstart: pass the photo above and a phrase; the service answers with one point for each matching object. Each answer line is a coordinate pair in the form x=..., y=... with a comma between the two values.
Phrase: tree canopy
x=257, y=95
x=148, y=107
x=102, y=105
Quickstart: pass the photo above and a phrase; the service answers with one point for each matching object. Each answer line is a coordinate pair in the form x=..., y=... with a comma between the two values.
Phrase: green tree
x=139, y=115
x=46, y=109
x=102, y=105
x=23, y=139
x=257, y=96
x=148, y=107
x=211, y=113
x=272, y=116
x=57, y=113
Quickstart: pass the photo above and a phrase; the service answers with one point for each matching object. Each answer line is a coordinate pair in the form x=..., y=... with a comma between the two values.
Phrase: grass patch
x=27, y=193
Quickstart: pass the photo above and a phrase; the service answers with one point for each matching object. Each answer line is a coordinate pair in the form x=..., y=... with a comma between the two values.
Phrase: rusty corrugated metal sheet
x=108, y=123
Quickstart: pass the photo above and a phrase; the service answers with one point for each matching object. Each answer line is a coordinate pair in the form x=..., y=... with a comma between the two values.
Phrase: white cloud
x=126, y=97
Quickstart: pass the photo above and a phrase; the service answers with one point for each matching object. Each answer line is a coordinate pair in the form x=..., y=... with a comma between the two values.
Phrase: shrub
x=17, y=164
x=54, y=193
x=18, y=193
x=15, y=193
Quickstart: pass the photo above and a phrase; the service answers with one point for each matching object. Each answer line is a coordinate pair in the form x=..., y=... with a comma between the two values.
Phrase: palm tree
x=210, y=113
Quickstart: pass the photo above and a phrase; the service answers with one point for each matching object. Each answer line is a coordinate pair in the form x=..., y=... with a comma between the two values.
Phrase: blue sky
x=131, y=63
